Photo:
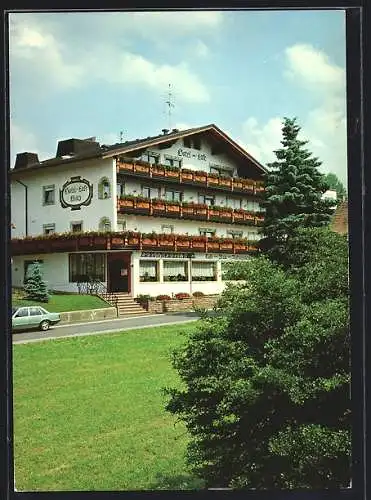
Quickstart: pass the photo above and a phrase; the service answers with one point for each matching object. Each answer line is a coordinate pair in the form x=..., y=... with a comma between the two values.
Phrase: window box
x=214, y=212
x=238, y=216
x=158, y=206
x=149, y=241
x=226, y=246
x=172, y=207
x=252, y=247
x=248, y=186
x=225, y=214
x=143, y=205
x=225, y=182
x=158, y=171
x=200, y=211
x=240, y=247
x=187, y=210
x=186, y=175
x=183, y=243
x=259, y=220
x=117, y=242
x=166, y=243
x=124, y=165
x=133, y=240
x=213, y=180
x=170, y=172
x=198, y=244
x=126, y=202
x=200, y=177
x=213, y=245
x=237, y=184
x=141, y=168
x=249, y=216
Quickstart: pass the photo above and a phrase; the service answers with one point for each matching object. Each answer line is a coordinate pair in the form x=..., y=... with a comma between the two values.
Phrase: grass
x=63, y=303
x=89, y=413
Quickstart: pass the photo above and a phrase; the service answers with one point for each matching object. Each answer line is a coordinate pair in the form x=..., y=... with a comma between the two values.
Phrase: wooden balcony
x=186, y=210
x=191, y=177
x=77, y=242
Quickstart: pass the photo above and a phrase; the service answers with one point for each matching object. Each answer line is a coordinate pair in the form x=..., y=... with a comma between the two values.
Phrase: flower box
x=187, y=176
x=152, y=242
x=126, y=166
x=238, y=215
x=172, y=208
x=225, y=182
x=117, y=242
x=133, y=240
x=226, y=246
x=200, y=211
x=213, y=245
x=126, y=203
x=248, y=186
x=171, y=173
x=249, y=216
x=159, y=171
x=183, y=243
x=142, y=169
x=187, y=210
x=225, y=214
x=142, y=205
x=213, y=180
x=166, y=243
x=240, y=247
x=198, y=244
x=199, y=177
x=252, y=247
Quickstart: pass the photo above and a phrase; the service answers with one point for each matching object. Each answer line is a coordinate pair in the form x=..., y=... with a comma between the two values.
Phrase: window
x=104, y=188
x=29, y=266
x=167, y=229
x=22, y=313
x=104, y=224
x=197, y=143
x=76, y=227
x=49, y=195
x=152, y=158
x=235, y=203
x=203, y=271
x=173, y=195
x=206, y=199
x=216, y=169
x=150, y=192
x=48, y=228
x=148, y=270
x=234, y=234
x=172, y=162
x=35, y=311
x=87, y=266
x=121, y=225
x=175, y=270
x=204, y=231
x=187, y=143
x=120, y=189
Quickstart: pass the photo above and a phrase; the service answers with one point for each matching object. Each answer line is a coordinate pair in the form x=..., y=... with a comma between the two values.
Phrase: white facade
x=46, y=214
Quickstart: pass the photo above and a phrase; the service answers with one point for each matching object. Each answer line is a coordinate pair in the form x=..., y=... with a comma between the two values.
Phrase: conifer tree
x=293, y=193
x=35, y=287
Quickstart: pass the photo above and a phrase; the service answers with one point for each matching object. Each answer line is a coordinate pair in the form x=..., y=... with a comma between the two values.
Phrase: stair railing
x=93, y=286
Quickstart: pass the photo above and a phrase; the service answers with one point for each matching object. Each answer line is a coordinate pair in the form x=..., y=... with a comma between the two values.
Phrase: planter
x=126, y=166
x=171, y=173
x=225, y=215
x=185, y=176
x=172, y=208
x=199, y=178
x=200, y=211
x=213, y=181
x=183, y=243
x=158, y=207
x=141, y=169
x=249, y=216
x=226, y=246
x=134, y=240
x=240, y=247
x=126, y=203
x=165, y=243
x=158, y=171
x=187, y=210
x=200, y=245
x=248, y=186
x=225, y=182
x=117, y=242
x=238, y=216
x=212, y=245
x=149, y=242
x=142, y=205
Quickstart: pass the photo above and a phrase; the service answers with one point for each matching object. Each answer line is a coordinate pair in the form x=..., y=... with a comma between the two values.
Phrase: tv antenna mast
x=121, y=136
x=169, y=104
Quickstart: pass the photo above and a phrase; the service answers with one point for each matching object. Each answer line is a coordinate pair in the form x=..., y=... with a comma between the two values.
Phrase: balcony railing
x=191, y=177
x=187, y=210
x=77, y=242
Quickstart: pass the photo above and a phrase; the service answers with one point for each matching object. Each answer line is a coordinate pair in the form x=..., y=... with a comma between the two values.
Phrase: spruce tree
x=293, y=193
x=35, y=287
x=335, y=183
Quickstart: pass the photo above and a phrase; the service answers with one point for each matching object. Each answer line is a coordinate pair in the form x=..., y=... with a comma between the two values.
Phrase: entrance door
x=118, y=271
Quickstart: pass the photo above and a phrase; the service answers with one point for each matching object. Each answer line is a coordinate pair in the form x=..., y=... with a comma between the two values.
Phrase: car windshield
x=44, y=311
x=14, y=309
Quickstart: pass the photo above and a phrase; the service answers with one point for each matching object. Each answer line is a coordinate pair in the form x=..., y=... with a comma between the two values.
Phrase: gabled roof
x=129, y=146
x=125, y=148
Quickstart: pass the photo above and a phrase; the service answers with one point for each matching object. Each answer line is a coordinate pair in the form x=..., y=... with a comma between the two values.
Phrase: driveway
x=104, y=326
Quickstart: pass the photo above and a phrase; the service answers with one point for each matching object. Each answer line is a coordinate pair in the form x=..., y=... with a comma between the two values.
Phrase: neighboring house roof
x=339, y=222
x=108, y=151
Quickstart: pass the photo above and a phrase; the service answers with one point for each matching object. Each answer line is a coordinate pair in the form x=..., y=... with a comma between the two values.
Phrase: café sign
x=75, y=193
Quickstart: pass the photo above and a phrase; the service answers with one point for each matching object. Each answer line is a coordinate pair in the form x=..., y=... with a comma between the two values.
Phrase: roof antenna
x=170, y=104
x=121, y=136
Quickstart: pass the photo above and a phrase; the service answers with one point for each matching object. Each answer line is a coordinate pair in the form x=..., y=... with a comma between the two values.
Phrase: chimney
x=72, y=147
x=165, y=131
x=24, y=160
x=175, y=130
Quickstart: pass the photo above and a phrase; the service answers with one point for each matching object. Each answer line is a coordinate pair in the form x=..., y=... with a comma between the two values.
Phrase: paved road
x=104, y=326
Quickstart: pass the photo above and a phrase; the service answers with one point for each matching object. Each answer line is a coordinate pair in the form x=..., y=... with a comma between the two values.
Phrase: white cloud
x=324, y=126
x=37, y=50
x=21, y=141
x=201, y=49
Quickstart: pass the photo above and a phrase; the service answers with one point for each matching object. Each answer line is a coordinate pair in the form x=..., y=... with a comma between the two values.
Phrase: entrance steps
x=126, y=305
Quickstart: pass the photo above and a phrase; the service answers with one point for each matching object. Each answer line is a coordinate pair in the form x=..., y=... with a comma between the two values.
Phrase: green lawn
x=63, y=303
x=89, y=413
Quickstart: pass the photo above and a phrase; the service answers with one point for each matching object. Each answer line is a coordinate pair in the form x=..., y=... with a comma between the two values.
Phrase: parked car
x=25, y=318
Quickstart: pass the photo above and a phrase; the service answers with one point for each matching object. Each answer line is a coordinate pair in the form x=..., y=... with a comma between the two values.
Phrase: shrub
x=181, y=296
x=198, y=294
x=143, y=298
x=163, y=297
x=35, y=287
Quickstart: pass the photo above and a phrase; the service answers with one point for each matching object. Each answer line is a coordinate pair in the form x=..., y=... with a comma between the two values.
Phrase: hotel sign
x=197, y=256
x=75, y=193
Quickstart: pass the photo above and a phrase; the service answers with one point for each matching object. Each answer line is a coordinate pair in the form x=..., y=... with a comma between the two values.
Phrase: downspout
x=26, y=204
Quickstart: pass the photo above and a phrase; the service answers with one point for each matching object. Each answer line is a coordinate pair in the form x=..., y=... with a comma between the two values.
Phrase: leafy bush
x=266, y=380
x=35, y=287
x=198, y=294
x=163, y=297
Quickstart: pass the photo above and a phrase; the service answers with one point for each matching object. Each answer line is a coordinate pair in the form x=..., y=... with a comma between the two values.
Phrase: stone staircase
x=127, y=306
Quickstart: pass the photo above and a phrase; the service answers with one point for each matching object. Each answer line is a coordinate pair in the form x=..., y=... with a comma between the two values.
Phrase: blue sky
x=96, y=74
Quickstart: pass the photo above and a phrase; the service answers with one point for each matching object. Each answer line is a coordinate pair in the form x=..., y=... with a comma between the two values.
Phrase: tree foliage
x=293, y=193
x=35, y=287
x=265, y=381
x=335, y=184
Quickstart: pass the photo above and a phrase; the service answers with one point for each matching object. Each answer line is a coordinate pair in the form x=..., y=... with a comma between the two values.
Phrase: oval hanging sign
x=75, y=193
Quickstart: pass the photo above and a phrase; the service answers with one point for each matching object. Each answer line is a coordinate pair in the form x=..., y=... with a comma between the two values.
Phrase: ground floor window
x=203, y=271
x=148, y=270
x=86, y=267
x=29, y=266
x=175, y=270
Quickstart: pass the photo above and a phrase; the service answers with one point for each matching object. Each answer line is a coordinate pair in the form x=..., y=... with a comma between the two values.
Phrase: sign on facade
x=75, y=193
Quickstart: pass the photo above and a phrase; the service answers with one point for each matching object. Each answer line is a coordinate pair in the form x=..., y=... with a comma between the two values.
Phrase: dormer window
x=104, y=189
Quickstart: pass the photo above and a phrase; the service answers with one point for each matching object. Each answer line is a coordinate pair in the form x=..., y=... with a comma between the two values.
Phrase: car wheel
x=44, y=325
